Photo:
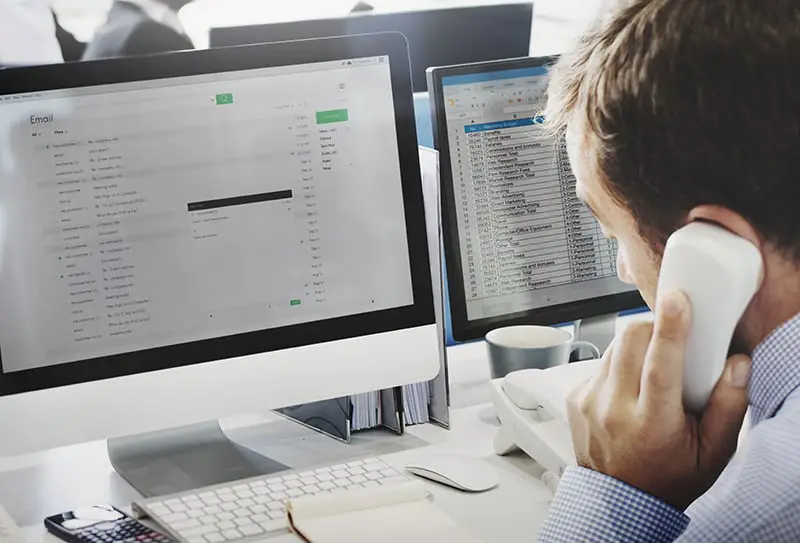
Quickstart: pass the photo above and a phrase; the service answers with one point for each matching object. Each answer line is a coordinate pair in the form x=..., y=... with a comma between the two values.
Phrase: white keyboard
x=255, y=508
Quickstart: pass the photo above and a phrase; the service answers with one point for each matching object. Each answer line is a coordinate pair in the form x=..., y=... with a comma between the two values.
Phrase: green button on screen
x=332, y=116
x=295, y=302
x=225, y=99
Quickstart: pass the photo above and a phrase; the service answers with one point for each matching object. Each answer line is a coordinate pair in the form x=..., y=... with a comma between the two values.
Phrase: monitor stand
x=597, y=330
x=185, y=458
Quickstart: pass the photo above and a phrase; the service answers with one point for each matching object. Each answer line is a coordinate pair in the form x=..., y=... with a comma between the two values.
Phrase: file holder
x=335, y=417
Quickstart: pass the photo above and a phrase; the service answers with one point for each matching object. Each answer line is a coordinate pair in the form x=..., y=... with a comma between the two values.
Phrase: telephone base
x=531, y=406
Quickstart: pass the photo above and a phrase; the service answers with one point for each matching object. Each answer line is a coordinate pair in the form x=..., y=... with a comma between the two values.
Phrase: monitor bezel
x=222, y=60
x=464, y=329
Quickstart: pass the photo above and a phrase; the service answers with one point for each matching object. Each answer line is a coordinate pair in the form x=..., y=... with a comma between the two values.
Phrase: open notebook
x=394, y=514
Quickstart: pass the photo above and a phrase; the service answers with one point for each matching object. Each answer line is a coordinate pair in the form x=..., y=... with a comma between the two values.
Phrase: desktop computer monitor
x=436, y=37
x=520, y=247
x=204, y=234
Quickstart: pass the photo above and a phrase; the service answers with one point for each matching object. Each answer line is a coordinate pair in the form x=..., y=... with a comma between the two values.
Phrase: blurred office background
x=556, y=22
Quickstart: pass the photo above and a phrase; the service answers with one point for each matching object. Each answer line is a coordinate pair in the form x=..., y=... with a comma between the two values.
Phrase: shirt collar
x=160, y=12
x=776, y=370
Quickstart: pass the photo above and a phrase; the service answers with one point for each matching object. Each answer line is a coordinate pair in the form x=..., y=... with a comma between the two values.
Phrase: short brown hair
x=690, y=102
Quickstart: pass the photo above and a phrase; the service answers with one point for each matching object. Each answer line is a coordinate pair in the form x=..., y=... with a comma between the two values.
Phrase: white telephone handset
x=718, y=271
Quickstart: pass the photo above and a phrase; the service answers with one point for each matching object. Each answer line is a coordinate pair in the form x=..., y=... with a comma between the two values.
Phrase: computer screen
x=436, y=37
x=520, y=245
x=180, y=212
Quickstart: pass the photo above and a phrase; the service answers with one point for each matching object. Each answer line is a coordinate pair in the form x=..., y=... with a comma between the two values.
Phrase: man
x=140, y=27
x=678, y=111
x=27, y=33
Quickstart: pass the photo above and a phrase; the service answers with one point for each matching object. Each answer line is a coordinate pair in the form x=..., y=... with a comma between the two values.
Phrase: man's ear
x=730, y=220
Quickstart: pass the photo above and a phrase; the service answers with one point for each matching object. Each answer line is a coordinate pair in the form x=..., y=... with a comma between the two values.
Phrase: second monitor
x=520, y=247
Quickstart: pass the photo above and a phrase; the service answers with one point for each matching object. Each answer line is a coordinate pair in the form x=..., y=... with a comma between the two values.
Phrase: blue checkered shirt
x=757, y=497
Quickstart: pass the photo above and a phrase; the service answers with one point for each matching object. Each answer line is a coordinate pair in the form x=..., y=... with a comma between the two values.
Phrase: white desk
x=34, y=486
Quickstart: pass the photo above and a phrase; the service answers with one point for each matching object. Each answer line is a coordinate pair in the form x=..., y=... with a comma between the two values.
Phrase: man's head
x=678, y=110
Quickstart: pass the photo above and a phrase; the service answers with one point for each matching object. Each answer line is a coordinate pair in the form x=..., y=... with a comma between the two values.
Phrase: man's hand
x=629, y=421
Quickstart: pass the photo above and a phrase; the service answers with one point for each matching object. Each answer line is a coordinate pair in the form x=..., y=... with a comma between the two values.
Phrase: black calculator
x=102, y=524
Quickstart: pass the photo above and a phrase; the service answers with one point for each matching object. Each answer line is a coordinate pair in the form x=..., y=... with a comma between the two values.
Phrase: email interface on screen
x=526, y=240
x=147, y=214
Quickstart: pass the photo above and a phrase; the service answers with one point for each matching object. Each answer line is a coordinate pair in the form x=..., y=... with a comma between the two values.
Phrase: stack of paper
x=390, y=514
x=416, y=399
x=366, y=411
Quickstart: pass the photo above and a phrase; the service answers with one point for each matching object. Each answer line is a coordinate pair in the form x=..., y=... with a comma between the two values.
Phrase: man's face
x=636, y=262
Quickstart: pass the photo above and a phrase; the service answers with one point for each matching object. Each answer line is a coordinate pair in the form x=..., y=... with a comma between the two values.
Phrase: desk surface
x=37, y=485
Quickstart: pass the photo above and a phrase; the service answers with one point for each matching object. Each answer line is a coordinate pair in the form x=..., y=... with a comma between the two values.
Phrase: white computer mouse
x=456, y=471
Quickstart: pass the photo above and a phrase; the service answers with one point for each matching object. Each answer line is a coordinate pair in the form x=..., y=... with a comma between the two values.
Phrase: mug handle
x=591, y=346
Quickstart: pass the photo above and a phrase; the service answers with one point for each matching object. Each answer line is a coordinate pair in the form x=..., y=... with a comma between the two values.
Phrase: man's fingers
x=627, y=358
x=662, y=375
x=722, y=419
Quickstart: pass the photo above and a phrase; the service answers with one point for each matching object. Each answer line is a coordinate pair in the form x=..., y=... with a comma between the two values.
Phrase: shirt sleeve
x=591, y=506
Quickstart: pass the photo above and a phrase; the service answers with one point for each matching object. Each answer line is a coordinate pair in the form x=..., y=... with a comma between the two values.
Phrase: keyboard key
x=305, y=474
x=226, y=525
x=273, y=525
x=309, y=480
x=258, y=508
x=246, y=502
x=263, y=499
x=196, y=513
x=251, y=530
x=358, y=479
x=171, y=502
x=340, y=474
x=278, y=487
x=341, y=483
x=295, y=492
x=373, y=467
x=277, y=496
x=356, y=471
x=257, y=483
x=160, y=511
x=390, y=472
x=259, y=518
x=209, y=519
x=320, y=471
x=245, y=493
x=207, y=494
x=212, y=509
x=232, y=534
x=261, y=490
x=174, y=517
x=200, y=530
x=216, y=537
x=229, y=506
x=243, y=521
x=374, y=476
x=325, y=477
x=327, y=485
x=178, y=508
x=276, y=506
x=356, y=463
x=294, y=483
x=228, y=497
x=311, y=489
x=184, y=524
x=239, y=488
x=339, y=467
x=226, y=515
x=242, y=513
x=290, y=477
x=275, y=515
x=211, y=500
